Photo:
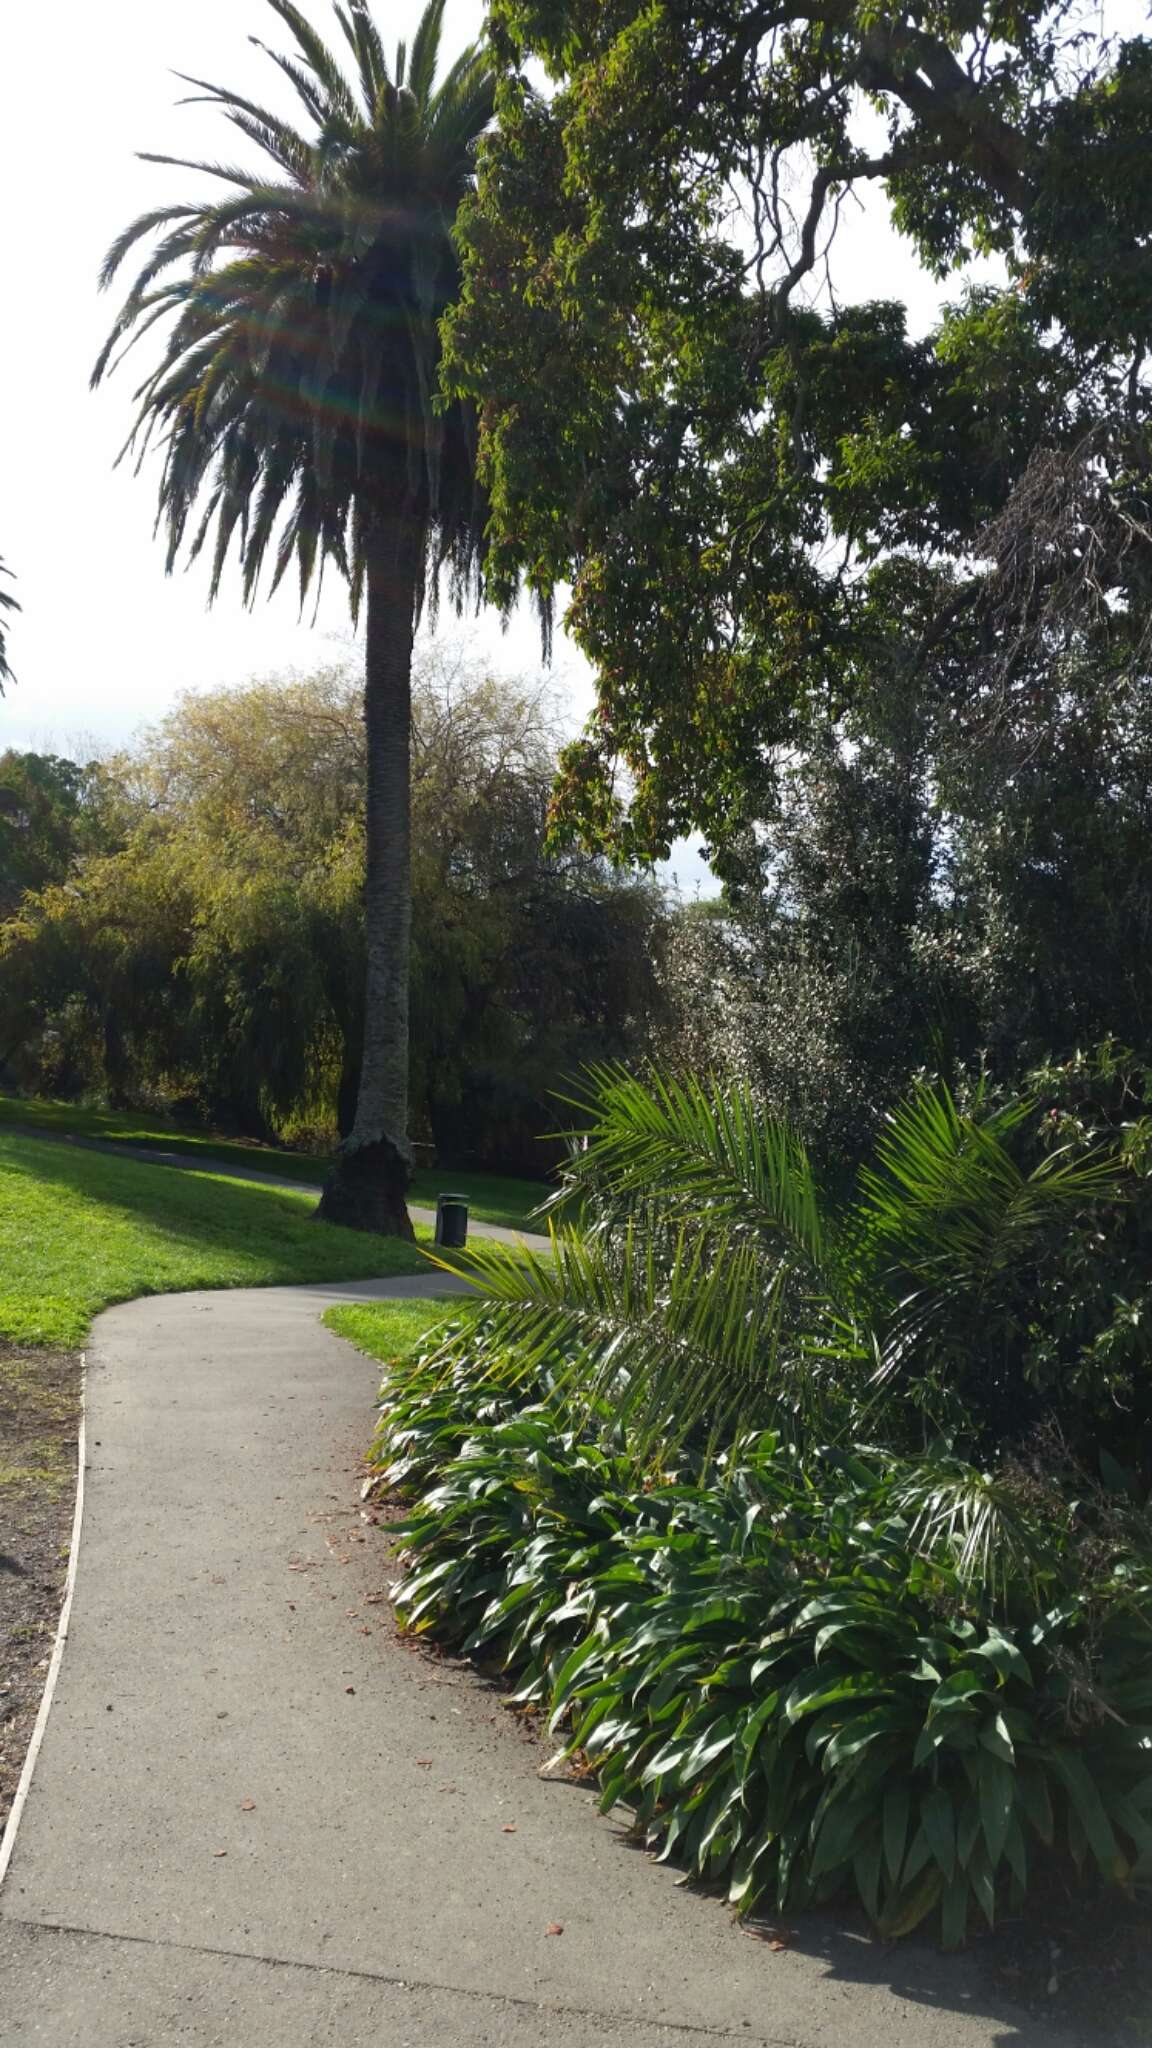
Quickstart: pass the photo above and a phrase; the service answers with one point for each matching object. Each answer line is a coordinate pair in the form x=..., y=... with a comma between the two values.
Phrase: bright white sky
x=105, y=641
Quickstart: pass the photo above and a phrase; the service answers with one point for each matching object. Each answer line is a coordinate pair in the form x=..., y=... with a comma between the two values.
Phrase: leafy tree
x=51, y=809
x=295, y=395
x=210, y=954
x=717, y=468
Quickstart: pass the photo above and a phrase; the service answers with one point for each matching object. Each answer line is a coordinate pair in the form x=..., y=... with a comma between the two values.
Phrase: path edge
x=24, y=1784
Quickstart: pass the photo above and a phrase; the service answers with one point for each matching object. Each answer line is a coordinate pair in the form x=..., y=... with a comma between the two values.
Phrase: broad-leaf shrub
x=793, y=1668
x=807, y=1668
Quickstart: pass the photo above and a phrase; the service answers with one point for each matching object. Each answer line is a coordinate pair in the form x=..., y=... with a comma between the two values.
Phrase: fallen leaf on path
x=424, y=1762
x=247, y=1806
x=555, y=1928
x=219, y=1852
x=349, y=1688
x=509, y=1827
x=777, y=1938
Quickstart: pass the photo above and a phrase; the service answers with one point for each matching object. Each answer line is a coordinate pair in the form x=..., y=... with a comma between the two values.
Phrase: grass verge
x=492, y=1197
x=392, y=1330
x=80, y=1230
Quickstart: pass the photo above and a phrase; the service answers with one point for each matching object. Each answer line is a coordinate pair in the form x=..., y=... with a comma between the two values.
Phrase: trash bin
x=452, y=1221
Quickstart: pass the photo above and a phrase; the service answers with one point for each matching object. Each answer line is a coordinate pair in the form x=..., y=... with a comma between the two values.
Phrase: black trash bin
x=452, y=1221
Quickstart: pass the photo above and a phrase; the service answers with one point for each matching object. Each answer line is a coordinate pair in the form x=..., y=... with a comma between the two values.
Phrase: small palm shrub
x=707, y=1278
x=751, y=1494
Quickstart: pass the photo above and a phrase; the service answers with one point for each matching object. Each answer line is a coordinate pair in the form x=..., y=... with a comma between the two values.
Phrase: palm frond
x=316, y=54
x=364, y=37
x=7, y=604
x=975, y=1522
x=299, y=368
x=674, y=1347
x=144, y=224
x=709, y=1150
x=426, y=53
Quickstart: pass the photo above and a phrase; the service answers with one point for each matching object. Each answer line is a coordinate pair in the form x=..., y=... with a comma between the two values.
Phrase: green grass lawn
x=493, y=1198
x=79, y=1230
x=389, y=1330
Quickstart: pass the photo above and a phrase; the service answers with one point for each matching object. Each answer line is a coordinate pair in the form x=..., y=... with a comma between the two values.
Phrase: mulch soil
x=39, y=1422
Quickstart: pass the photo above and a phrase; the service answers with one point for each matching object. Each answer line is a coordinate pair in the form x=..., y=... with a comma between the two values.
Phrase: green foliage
x=710, y=1283
x=50, y=812
x=956, y=873
x=193, y=931
x=293, y=397
x=793, y=1670
x=715, y=468
x=391, y=1330
x=79, y=1230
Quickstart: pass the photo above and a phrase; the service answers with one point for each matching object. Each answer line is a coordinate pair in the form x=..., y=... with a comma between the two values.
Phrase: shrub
x=797, y=1671
x=803, y=1665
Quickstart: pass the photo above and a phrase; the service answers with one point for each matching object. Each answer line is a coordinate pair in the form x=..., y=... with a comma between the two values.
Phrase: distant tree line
x=183, y=924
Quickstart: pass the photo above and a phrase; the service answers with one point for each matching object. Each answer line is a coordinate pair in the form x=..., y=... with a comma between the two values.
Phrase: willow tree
x=295, y=404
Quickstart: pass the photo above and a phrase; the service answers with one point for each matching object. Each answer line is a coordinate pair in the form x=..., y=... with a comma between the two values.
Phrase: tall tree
x=711, y=451
x=296, y=403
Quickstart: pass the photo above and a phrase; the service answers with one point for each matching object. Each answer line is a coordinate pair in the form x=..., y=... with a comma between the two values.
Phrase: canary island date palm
x=295, y=408
x=7, y=604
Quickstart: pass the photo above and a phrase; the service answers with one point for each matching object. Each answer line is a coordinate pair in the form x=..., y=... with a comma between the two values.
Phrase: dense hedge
x=781, y=1666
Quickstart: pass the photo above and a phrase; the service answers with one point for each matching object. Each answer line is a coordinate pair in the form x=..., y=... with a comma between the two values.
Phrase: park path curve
x=260, y=1819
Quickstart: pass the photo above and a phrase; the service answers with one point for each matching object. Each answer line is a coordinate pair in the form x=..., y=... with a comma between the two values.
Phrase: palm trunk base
x=365, y=1190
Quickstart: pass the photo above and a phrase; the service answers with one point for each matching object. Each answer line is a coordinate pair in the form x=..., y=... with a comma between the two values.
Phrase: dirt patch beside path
x=39, y=1423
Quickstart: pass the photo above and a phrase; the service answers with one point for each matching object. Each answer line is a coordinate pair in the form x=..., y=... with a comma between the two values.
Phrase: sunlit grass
x=80, y=1230
x=492, y=1197
x=389, y=1330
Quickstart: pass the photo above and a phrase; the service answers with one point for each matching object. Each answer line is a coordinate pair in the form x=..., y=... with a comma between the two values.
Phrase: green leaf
x=938, y=1820
x=911, y=1905
x=1005, y=1657
x=954, y=1911
x=997, y=1794
x=866, y=1870
x=897, y=1800
x=1034, y=1797
x=1074, y=1775
x=995, y=1736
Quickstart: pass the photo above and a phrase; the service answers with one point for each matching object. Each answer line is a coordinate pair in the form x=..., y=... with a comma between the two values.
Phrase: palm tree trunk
x=366, y=1186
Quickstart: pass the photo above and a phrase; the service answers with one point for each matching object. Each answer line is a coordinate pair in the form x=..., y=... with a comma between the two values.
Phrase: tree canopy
x=757, y=492
x=187, y=922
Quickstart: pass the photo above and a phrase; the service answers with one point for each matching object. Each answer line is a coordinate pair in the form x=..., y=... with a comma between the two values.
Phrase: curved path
x=258, y=1819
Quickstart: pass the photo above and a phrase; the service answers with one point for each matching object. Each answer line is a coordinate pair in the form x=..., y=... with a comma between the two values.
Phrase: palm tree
x=295, y=402
x=7, y=604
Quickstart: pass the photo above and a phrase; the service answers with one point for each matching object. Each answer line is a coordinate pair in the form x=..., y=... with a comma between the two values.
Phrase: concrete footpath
x=260, y=1819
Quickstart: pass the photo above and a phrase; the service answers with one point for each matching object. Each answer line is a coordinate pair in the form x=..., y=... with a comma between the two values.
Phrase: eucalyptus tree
x=295, y=402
